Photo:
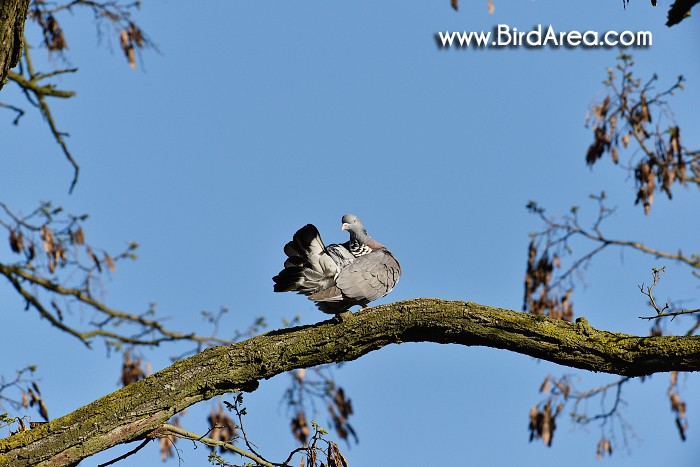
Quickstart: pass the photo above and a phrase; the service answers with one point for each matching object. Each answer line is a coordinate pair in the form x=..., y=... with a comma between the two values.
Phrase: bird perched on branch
x=339, y=275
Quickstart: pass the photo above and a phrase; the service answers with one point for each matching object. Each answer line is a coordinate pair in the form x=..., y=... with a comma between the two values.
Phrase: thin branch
x=576, y=265
x=547, y=289
x=40, y=92
x=12, y=273
x=672, y=314
x=42, y=279
x=692, y=261
x=130, y=453
x=41, y=89
x=20, y=112
x=168, y=429
x=31, y=299
x=19, y=380
x=602, y=390
x=660, y=311
x=239, y=415
x=695, y=327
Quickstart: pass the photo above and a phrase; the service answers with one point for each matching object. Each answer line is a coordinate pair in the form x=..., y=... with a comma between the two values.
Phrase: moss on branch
x=13, y=14
x=134, y=412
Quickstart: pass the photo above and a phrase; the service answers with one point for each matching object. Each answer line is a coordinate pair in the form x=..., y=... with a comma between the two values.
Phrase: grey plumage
x=340, y=275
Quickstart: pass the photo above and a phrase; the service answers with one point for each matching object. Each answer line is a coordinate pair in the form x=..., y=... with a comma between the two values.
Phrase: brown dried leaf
x=544, y=387
x=603, y=447
x=222, y=426
x=94, y=258
x=165, y=445
x=560, y=407
x=300, y=429
x=16, y=241
x=646, y=116
x=534, y=423
x=613, y=154
x=131, y=370
x=48, y=241
x=625, y=139
x=43, y=411
x=675, y=140
x=22, y=425
x=455, y=4
x=136, y=35
x=601, y=110
x=548, y=425
x=78, y=236
x=491, y=7
x=344, y=405
x=110, y=262
x=32, y=398
x=124, y=39
x=681, y=428
x=564, y=386
x=335, y=457
x=60, y=253
x=677, y=405
x=131, y=57
x=53, y=34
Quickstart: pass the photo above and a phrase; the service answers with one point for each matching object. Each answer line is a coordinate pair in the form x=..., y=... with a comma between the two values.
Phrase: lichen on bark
x=137, y=410
x=13, y=14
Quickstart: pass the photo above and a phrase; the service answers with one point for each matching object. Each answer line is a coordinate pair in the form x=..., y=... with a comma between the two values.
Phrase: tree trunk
x=13, y=13
x=135, y=411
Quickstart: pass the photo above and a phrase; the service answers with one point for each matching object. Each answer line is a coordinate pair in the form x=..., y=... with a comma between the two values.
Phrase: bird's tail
x=309, y=267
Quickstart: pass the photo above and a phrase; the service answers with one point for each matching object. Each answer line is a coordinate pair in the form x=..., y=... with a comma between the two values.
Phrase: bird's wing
x=369, y=277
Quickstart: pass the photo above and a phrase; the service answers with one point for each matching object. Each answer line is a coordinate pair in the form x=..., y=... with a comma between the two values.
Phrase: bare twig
x=602, y=391
x=554, y=242
x=130, y=453
x=17, y=110
x=41, y=282
x=660, y=311
x=672, y=314
x=39, y=91
x=168, y=429
x=45, y=15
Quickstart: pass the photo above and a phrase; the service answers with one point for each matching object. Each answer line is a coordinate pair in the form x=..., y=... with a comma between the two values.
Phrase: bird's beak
x=344, y=226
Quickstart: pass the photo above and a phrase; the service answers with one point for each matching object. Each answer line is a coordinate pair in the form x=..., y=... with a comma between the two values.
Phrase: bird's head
x=353, y=224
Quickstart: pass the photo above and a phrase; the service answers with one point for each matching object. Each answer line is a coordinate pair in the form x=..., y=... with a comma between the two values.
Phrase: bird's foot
x=341, y=317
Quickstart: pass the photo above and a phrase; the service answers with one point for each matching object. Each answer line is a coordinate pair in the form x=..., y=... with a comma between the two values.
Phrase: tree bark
x=13, y=14
x=135, y=411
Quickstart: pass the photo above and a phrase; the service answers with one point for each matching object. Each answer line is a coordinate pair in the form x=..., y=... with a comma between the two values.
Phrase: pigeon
x=340, y=275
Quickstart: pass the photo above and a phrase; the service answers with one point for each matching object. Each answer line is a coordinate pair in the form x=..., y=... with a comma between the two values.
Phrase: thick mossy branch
x=13, y=14
x=134, y=412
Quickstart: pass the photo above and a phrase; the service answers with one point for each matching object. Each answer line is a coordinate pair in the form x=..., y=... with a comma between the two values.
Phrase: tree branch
x=13, y=14
x=40, y=92
x=168, y=429
x=141, y=408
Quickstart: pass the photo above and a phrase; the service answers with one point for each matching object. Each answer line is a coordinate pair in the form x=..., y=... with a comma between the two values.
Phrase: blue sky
x=257, y=118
